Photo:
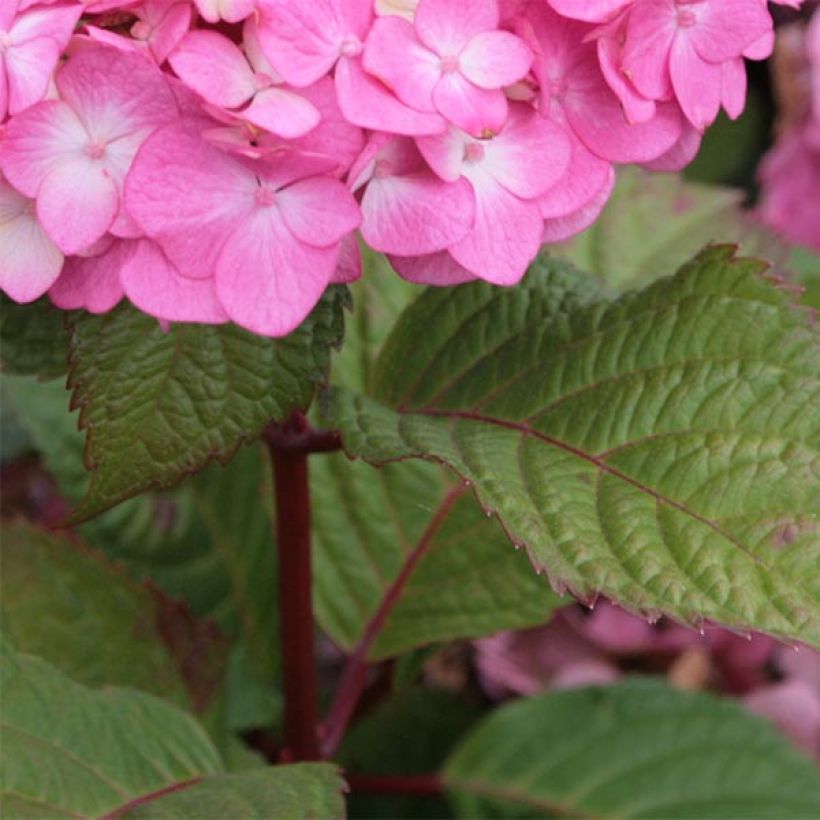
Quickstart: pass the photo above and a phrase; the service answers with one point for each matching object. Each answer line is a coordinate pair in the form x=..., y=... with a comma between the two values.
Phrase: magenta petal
x=349, y=264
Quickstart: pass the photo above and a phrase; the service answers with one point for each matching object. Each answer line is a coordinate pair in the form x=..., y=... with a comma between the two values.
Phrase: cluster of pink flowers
x=778, y=682
x=213, y=160
x=790, y=172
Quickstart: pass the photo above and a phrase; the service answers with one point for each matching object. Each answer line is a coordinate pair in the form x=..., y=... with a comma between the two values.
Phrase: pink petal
x=529, y=156
x=151, y=282
x=506, y=236
x=77, y=203
x=349, y=264
x=282, y=112
x=650, y=32
x=394, y=54
x=28, y=72
x=55, y=22
x=168, y=26
x=563, y=227
x=493, y=59
x=267, y=280
x=697, y=84
x=36, y=141
x=318, y=211
x=733, y=87
x=92, y=283
x=29, y=260
x=725, y=28
x=637, y=108
x=592, y=11
x=438, y=269
x=471, y=108
x=681, y=153
x=446, y=26
x=368, y=103
x=794, y=707
x=188, y=196
x=214, y=67
x=418, y=214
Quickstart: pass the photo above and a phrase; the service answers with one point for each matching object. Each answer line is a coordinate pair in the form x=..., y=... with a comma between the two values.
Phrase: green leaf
x=33, y=339
x=638, y=749
x=72, y=751
x=368, y=523
x=655, y=222
x=303, y=791
x=62, y=602
x=661, y=449
x=158, y=406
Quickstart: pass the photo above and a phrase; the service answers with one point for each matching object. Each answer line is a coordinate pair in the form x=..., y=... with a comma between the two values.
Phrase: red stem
x=354, y=674
x=292, y=494
x=419, y=784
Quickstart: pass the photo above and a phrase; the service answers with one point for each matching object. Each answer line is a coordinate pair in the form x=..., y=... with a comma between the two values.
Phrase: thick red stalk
x=419, y=784
x=354, y=674
x=292, y=494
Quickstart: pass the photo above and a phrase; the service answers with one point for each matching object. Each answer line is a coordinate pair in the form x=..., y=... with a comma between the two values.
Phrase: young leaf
x=655, y=222
x=33, y=339
x=63, y=603
x=302, y=791
x=637, y=749
x=157, y=406
x=661, y=449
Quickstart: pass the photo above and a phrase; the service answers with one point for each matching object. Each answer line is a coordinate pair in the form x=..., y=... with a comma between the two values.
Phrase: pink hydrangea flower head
x=29, y=260
x=452, y=60
x=73, y=154
x=31, y=41
x=267, y=230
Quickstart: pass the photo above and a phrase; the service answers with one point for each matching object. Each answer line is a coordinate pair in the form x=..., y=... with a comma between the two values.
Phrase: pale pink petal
x=282, y=112
x=167, y=26
x=529, y=156
x=214, y=67
x=232, y=11
x=697, y=84
x=474, y=109
x=188, y=196
x=794, y=707
x=318, y=211
x=28, y=72
x=29, y=260
x=438, y=269
x=92, y=283
x=445, y=153
x=418, y=214
x=267, y=280
x=4, y=91
x=446, y=26
x=506, y=236
x=394, y=54
x=77, y=203
x=494, y=59
x=152, y=283
x=36, y=141
x=368, y=103
x=55, y=22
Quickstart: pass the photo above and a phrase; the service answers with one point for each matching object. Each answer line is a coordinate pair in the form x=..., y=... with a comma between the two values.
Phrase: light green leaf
x=661, y=449
x=69, y=750
x=655, y=222
x=368, y=523
x=638, y=749
x=33, y=339
x=158, y=406
x=303, y=791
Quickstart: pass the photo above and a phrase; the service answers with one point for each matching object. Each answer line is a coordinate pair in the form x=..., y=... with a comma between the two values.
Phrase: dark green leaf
x=33, y=339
